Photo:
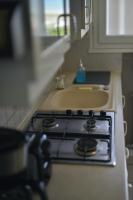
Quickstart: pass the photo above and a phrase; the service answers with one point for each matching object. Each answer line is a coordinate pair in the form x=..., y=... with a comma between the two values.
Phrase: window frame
x=99, y=41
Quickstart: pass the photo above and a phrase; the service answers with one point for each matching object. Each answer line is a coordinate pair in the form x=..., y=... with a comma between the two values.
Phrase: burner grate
x=85, y=147
x=67, y=132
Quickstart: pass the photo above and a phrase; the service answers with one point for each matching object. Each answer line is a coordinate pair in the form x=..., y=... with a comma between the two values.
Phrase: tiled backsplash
x=12, y=116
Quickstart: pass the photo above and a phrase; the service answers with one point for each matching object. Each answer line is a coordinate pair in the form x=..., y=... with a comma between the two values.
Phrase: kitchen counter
x=51, y=101
x=84, y=182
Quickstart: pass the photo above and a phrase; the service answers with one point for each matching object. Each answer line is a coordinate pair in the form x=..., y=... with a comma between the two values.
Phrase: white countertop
x=89, y=182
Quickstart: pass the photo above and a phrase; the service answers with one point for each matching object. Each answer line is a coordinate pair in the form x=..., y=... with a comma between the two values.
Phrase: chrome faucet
x=73, y=21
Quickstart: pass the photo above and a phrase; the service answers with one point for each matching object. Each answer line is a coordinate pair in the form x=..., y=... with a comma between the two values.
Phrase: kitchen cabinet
x=114, y=178
x=23, y=78
x=111, y=27
x=47, y=31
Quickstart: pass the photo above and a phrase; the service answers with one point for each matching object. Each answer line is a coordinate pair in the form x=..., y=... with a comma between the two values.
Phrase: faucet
x=73, y=21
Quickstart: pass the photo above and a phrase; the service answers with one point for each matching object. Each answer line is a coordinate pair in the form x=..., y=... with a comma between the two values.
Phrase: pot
x=13, y=152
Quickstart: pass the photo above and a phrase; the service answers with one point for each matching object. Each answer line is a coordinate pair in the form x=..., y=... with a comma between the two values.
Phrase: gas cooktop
x=77, y=137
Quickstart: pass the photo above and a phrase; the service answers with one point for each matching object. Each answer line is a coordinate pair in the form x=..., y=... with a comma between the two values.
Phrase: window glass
x=52, y=10
x=119, y=16
x=45, y=14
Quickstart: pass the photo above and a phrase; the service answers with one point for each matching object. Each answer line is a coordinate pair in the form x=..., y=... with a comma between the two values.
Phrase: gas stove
x=77, y=137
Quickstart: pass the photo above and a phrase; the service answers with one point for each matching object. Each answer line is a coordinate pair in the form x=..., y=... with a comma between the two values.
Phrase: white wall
x=92, y=61
x=104, y=61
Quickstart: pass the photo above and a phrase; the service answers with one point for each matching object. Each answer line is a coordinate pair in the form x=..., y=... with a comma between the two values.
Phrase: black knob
x=79, y=112
x=47, y=171
x=45, y=144
x=68, y=112
x=91, y=113
x=103, y=113
x=45, y=149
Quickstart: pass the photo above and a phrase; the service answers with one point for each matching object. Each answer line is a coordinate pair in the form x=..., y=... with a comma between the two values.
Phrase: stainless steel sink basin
x=80, y=97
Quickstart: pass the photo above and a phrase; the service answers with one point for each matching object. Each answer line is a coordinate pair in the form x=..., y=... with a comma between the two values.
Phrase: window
x=112, y=29
x=119, y=15
x=52, y=10
x=45, y=13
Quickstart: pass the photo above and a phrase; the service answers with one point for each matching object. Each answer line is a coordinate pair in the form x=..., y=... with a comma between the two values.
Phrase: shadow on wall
x=79, y=50
x=92, y=61
x=127, y=88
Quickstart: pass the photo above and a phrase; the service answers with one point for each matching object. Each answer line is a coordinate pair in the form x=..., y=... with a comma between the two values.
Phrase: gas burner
x=76, y=136
x=85, y=147
x=90, y=124
x=49, y=123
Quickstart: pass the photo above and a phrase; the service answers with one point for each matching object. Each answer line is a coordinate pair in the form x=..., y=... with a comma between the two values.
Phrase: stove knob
x=45, y=149
x=68, y=112
x=102, y=113
x=91, y=113
x=79, y=112
x=47, y=171
x=45, y=145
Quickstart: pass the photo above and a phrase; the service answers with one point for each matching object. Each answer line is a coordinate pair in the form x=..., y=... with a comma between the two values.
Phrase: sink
x=80, y=97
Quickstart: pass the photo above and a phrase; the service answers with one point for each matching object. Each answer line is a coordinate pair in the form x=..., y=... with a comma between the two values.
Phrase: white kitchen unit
x=111, y=27
x=83, y=181
x=34, y=55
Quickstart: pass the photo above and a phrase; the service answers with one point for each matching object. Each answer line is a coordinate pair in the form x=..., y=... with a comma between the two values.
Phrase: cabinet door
x=112, y=29
x=23, y=81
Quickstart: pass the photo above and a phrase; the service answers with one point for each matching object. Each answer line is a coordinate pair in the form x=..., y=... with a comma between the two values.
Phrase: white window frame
x=99, y=41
